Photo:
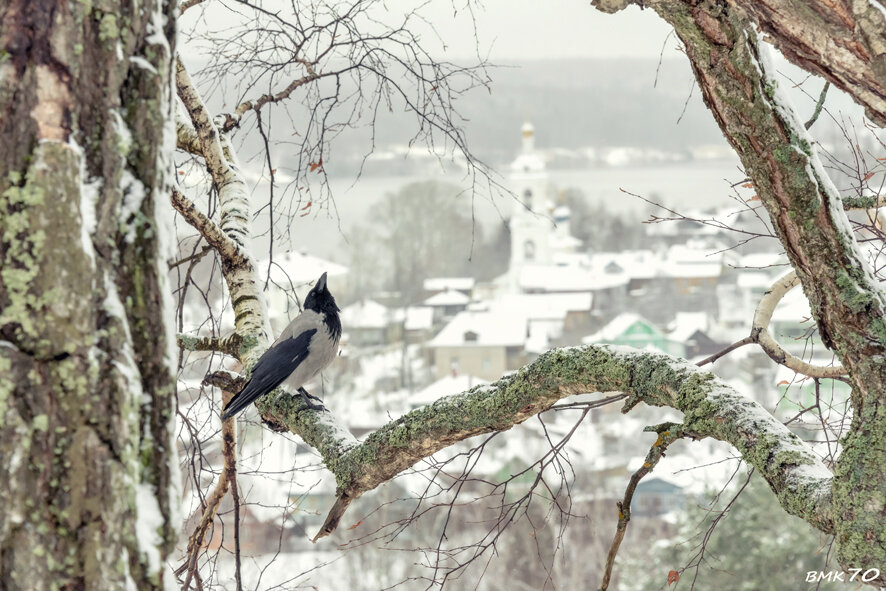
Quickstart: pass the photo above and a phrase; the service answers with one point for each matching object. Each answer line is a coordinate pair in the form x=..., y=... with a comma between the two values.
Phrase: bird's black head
x=320, y=300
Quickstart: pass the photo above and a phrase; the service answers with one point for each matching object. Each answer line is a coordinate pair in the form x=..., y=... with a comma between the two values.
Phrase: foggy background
x=614, y=112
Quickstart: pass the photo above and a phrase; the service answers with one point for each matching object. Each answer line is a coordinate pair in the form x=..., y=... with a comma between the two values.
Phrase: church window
x=529, y=250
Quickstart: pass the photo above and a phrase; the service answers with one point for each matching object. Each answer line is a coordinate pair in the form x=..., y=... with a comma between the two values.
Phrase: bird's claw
x=306, y=397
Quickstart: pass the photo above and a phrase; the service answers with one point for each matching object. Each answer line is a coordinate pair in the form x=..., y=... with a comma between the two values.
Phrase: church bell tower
x=531, y=223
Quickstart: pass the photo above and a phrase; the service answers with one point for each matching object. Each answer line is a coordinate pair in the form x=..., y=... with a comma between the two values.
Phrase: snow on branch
x=711, y=409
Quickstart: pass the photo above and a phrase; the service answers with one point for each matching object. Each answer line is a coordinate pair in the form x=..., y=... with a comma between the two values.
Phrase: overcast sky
x=530, y=29
x=508, y=30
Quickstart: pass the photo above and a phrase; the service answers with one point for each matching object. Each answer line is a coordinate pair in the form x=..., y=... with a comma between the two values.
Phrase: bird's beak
x=321, y=283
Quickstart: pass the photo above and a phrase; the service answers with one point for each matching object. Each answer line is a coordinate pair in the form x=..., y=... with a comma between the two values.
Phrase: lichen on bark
x=738, y=85
x=86, y=391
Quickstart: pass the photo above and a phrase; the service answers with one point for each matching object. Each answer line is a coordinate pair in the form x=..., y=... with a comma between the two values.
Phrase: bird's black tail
x=240, y=401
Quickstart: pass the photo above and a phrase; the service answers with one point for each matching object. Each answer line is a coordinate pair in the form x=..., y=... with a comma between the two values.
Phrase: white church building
x=539, y=227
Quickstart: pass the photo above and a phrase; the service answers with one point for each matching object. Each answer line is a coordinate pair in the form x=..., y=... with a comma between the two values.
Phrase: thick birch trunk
x=87, y=395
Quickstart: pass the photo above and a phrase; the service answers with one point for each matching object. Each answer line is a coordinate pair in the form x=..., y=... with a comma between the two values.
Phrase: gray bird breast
x=321, y=350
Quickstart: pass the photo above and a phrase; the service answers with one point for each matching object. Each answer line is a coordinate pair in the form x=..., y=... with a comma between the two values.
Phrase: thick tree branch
x=710, y=407
x=868, y=202
x=232, y=192
x=738, y=84
x=231, y=345
x=186, y=138
x=189, y=4
x=841, y=41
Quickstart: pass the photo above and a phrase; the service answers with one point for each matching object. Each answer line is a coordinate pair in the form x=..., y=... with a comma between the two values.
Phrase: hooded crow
x=302, y=350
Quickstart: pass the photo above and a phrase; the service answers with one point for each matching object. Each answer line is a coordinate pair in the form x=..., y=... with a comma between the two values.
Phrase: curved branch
x=711, y=409
x=761, y=335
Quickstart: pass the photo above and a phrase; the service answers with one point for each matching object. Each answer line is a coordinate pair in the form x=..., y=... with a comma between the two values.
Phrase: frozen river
x=691, y=185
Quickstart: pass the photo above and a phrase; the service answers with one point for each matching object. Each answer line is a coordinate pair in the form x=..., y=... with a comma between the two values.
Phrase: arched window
x=529, y=250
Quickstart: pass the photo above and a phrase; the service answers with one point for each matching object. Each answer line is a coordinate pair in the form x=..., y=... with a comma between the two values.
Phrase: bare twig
x=818, y=105
x=667, y=434
x=745, y=341
x=230, y=452
x=195, y=258
x=195, y=542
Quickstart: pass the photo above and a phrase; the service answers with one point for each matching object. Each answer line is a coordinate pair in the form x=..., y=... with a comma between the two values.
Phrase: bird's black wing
x=272, y=368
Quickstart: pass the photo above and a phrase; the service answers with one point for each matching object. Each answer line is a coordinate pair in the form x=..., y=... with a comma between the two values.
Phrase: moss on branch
x=711, y=409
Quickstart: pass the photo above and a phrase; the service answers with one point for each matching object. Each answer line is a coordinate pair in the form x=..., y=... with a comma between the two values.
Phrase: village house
x=484, y=343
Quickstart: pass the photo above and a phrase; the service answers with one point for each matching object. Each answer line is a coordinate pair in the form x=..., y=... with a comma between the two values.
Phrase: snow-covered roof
x=543, y=306
x=682, y=269
x=686, y=324
x=557, y=278
x=634, y=264
x=366, y=314
x=482, y=328
x=755, y=280
x=298, y=268
x=444, y=283
x=444, y=387
x=683, y=260
x=574, y=259
x=419, y=318
x=617, y=327
x=539, y=339
x=564, y=242
x=447, y=297
x=528, y=163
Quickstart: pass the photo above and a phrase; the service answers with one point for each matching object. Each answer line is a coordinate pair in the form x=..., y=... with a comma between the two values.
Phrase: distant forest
x=582, y=103
x=572, y=103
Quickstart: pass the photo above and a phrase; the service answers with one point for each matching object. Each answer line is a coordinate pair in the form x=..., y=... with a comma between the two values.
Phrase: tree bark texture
x=739, y=87
x=87, y=395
